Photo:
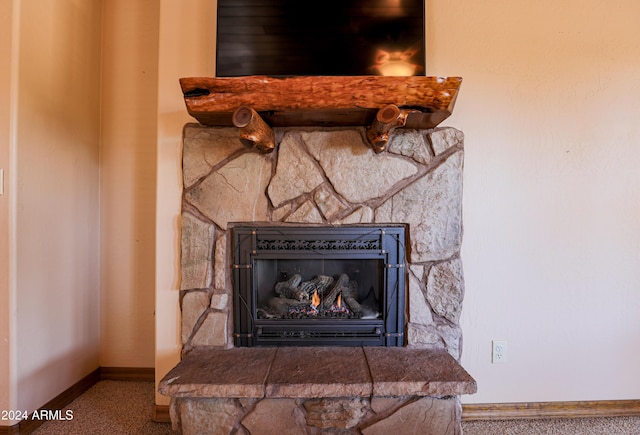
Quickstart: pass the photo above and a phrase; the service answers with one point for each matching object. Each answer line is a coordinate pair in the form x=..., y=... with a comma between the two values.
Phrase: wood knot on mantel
x=255, y=104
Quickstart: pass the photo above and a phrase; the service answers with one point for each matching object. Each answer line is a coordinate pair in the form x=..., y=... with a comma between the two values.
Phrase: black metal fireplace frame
x=251, y=243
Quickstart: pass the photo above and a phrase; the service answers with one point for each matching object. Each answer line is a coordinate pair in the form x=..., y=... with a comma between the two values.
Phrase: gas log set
x=323, y=296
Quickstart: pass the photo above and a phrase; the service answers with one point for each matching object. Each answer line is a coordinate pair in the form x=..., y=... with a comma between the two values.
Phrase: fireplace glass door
x=318, y=285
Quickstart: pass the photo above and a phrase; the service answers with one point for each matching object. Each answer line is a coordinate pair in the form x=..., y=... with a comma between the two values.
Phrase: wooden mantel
x=382, y=103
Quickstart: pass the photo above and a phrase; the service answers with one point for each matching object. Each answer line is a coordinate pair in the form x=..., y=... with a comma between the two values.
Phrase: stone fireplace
x=320, y=178
x=326, y=177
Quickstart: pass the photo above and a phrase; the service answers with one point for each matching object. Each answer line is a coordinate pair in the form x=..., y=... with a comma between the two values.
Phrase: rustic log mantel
x=382, y=103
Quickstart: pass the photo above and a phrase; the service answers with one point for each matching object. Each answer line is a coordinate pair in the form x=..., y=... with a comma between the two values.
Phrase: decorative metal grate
x=318, y=245
x=273, y=264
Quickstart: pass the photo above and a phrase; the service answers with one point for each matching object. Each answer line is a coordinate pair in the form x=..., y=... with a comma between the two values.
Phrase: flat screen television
x=326, y=37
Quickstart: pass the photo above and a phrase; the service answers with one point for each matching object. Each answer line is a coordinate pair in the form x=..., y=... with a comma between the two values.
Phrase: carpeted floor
x=125, y=408
x=110, y=408
x=573, y=426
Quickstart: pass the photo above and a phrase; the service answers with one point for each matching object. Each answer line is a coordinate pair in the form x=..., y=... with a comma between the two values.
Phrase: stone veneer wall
x=324, y=176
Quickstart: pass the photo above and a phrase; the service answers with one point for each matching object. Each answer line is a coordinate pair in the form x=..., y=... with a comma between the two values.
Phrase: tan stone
x=424, y=416
x=220, y=261
x=362, y=215
x=219, y=301
x=354, y=170
x=280, y=213
x=335, y=413
x=452, y=337
x=432, y=206
x=296, y=173
x=419, y=311
x=384, y=405
x=205, y=147
x=196, y=250
x=445, y=289
x=419, y=335
x=410, y=143
x=174, y=413
x=229, y=195
x=208, y=416
x=276, y=416
x=306, y=213
x=441, y=139
x=328, y=203
x=213, y=331
x=194, y=303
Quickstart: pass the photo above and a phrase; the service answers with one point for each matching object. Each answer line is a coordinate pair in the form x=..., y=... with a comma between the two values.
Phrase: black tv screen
x=327, y=38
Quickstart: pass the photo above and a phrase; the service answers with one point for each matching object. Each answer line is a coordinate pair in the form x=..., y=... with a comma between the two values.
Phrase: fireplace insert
x=318, y=285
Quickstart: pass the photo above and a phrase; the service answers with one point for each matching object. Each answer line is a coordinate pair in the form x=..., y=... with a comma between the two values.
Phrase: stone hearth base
x=313, y=390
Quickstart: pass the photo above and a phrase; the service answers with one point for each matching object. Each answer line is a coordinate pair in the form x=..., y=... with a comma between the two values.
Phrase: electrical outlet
x=498, y=351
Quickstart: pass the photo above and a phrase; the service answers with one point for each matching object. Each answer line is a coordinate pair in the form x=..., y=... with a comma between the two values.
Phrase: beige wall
x=187, y=49
x=552, y=202
x=549, y=106
x=78, y=126
x=7, y=319
x=128, y=182
x=55, y=183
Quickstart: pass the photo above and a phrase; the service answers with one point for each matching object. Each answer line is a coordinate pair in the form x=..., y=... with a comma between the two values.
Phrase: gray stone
x=194, y=303
x=410, y=143
x=445, y=289
x=229, y=195
x=296, y=173
x=196, y=250
x=306, y=213
x=424, y=416
x=205, y=147
x=354, y=170
x=208, y=416
x=213, y=331
x=276, y=416
x=432, y=206
x=442, y=139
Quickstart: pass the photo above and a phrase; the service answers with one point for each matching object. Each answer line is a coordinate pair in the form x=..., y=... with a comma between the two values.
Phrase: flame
x=339, y=301
x=315, y=299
